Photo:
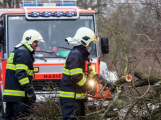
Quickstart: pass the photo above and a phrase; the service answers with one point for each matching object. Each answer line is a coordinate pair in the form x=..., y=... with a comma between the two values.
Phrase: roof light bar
x=53, y=13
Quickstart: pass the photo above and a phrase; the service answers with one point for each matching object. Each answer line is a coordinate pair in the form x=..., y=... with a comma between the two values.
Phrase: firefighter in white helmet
x=74, y=82
x=18, y=92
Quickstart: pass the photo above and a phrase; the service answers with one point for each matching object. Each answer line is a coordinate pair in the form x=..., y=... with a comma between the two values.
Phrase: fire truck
x=55, y=23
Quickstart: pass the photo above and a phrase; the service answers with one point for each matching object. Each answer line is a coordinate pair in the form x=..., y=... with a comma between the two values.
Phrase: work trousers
x=72, y=109
x=15, y=110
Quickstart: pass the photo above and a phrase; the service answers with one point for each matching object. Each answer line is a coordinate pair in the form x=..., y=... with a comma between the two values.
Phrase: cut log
x=143, y=79
x=120, y=81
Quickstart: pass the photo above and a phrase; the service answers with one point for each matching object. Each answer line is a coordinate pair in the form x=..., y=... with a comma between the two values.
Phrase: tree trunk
x=143, y=79
x=4, y=4
x=17, y=4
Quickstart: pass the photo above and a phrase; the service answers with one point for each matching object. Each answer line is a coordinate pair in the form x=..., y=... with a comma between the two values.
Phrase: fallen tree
x=144, y=79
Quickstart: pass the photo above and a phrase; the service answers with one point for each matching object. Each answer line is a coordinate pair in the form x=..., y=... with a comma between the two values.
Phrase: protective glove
x=32, y=95
x=99, y=79
x=92, y=73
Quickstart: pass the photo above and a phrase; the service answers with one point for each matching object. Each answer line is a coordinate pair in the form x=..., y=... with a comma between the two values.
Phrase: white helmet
x=85, y=36
x=30, y=36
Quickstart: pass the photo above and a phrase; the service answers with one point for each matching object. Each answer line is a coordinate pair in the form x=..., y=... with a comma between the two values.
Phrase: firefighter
x=18, y=92
x=74, y=82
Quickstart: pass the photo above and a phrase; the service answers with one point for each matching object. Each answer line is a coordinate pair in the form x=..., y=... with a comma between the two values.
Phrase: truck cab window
x=53, y=32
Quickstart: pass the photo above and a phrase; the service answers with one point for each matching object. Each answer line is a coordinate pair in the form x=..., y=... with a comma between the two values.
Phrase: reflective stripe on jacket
x=73, y=84
x=19, y=73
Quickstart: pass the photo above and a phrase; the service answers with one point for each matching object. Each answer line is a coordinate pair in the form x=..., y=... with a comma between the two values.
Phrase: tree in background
x=133, y=29
x=10, y=3
x=129, y=25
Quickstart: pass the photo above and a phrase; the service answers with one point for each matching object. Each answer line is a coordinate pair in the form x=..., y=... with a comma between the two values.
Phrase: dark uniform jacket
x=73, y=84
x=19, y=73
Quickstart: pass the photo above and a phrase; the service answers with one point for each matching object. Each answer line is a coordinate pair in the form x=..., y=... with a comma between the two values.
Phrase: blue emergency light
x=35, y=14
x=46, y=14
x=70, y=13
x=58, y=14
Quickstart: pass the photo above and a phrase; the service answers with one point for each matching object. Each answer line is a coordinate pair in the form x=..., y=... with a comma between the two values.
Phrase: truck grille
x=46, y=84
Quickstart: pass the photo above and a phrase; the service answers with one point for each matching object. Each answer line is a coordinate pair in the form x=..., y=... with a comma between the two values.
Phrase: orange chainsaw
x=100, y=90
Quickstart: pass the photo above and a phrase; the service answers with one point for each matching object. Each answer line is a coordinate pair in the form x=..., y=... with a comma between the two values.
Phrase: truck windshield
x=53, y=32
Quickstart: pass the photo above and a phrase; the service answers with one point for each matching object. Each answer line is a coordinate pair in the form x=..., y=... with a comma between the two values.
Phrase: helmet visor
x=40, y=40
x=71, y=41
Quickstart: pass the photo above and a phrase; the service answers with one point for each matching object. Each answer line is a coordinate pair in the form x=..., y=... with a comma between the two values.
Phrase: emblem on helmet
x=85, y=38
x=28, y=38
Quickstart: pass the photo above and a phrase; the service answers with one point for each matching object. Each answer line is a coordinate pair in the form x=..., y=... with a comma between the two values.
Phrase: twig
x=141, y=96
x=132, y=106
x=109, y=107
x=146, y=90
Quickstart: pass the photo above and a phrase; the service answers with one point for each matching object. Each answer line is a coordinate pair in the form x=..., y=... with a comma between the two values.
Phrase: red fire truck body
x=55, y=24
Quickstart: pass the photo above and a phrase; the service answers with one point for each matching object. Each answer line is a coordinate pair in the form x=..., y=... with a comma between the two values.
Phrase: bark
x=143, y=79
x=10, y=3
x=156, y=88
x=95, y=113
x=17, y=4
x=117, y=83
x=4, y=4
x=120, y=81
x=112, y=114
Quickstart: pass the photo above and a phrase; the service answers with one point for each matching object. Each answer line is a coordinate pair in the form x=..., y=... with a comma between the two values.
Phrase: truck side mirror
x=104, y=45
x=1, y=34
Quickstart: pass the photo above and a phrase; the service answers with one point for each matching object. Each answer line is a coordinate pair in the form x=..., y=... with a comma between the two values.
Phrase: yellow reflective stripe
x=66, y=94
x=24, y=81
x=66, y=71
x=65, y=62
x=82, y=81
x=14, y=92
x=30, y=72
x=71, y=95
x=80, y=95
x=10, y=59
x=76, y=71
x=11, y=67
x=28, y=46
x=73, y=71
x=21, y=66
